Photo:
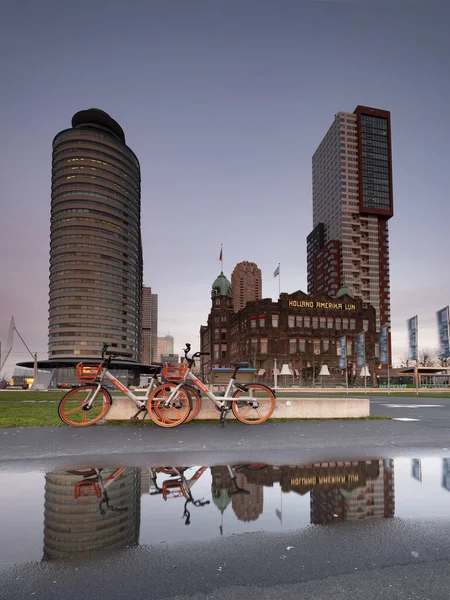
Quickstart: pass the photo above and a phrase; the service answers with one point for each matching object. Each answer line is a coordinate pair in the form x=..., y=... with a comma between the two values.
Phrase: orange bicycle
x=88, y=403
x=251, y=403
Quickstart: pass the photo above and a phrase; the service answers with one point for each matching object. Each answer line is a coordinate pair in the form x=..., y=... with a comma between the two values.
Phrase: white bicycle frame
x=140, y=401
x=219, y=401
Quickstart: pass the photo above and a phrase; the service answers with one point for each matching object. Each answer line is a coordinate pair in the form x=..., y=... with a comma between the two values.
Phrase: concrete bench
x=286, y=408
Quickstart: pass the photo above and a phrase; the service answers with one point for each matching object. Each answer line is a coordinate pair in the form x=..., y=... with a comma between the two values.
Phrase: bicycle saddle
x=241, y=365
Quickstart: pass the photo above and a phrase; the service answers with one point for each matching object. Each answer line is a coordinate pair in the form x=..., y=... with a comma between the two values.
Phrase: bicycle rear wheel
x=176, y=413
x=71, y=407
x=196, y=402
x=254, y=405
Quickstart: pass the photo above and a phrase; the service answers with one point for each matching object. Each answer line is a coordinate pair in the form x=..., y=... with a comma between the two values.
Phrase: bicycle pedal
x=135, y=416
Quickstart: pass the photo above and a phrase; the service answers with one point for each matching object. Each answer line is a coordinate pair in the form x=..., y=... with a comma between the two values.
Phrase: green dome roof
x=221, y=286
x=344, y=291
x=222, y=500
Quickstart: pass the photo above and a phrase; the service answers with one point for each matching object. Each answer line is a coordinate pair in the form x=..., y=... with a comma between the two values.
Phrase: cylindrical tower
x=78, y=524
x=95, y=241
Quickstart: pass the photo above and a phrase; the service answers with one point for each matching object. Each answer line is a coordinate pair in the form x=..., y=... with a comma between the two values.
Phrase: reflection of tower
x=76, y=525
x=221, y=488
x=248, y=507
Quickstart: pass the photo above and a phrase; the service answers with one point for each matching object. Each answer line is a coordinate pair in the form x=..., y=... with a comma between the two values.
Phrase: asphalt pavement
x=380, y=559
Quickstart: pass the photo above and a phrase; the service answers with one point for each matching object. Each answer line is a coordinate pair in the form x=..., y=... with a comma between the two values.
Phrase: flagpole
x=279, y=280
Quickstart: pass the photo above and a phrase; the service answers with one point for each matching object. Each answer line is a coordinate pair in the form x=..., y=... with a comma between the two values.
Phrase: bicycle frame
x=140, y=401
x=220, y=401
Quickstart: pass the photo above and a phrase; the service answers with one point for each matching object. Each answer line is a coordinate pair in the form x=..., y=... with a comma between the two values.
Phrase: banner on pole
x=360, y=351
x=412, y=334
x=343, y=354
x=384, y=358
x=443, y=329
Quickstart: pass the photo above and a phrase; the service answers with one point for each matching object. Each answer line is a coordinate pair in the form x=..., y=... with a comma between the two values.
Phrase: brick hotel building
x=299, y=330
x=352, y=203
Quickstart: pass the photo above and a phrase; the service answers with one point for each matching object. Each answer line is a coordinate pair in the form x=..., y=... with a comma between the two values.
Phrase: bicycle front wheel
x=196, y=402
x=178, y=410
x=73, y=410
x=254, y=405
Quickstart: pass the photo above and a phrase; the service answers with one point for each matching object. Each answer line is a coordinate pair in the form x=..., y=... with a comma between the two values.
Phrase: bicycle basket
x=175, y=372
x=88, y=372
x=86, y=488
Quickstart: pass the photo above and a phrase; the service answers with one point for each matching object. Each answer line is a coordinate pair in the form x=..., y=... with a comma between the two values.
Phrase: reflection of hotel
x=375, y=498
x=340, y=491
x=76, y=525
x=246, y=507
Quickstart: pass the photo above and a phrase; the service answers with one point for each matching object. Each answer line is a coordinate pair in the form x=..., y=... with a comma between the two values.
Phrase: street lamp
x=324, y=372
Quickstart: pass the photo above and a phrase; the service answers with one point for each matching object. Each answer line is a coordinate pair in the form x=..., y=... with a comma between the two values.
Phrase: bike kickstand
x=223, y=416
x=143, y=418
x=135, y=416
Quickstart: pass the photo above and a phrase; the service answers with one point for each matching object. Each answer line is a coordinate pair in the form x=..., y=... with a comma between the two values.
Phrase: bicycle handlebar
x=194, y=356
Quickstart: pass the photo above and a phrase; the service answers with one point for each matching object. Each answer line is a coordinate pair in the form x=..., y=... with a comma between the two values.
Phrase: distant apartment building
x=352, y=203
x=164, y=346
x=246, y=283
x=149, y=325
x=95, y=241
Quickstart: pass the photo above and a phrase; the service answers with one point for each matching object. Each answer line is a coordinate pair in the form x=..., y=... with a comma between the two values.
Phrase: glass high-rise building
x=352, y=203
x=95, y=241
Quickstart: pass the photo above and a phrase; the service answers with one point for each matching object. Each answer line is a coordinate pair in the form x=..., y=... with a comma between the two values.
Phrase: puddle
x=68, y=514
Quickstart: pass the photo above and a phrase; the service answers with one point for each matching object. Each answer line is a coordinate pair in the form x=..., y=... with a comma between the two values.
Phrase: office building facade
x=246, y=282
x=149, y=325
x=352, y=203
x=95, y=241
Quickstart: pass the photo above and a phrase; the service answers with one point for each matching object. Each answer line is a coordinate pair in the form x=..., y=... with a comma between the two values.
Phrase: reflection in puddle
x=94, y=510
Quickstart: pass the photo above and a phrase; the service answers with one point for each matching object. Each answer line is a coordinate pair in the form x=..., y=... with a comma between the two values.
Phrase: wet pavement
x=310, y=510
x=204, y=532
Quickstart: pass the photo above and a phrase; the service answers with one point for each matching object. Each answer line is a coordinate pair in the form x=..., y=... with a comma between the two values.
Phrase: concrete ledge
x=285, y=408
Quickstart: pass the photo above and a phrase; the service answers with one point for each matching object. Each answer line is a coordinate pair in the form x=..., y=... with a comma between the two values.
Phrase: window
x=291, y=321
x=262, y=320
x=344, y=322
x=292, y=346
x=329, y=322
x=252, y=321
x=349, y=348
x=216, y=334
x=315, y=322
x=275, y=320
x=366, y=324
x=323, y=322
x=254, y=345
x=263, y=345
x=325, y=344
x=352, y=323
x=302, y=345
x=316, y=346
x=307, y=321
x=216, y=350
x=299, y=321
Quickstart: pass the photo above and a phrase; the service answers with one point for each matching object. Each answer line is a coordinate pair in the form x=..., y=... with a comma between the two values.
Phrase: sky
x=224, y=102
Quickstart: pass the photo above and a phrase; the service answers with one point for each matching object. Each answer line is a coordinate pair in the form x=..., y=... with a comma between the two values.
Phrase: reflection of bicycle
x=251, y=403
x=88, y=403
x=93, y=484
x=179, y=487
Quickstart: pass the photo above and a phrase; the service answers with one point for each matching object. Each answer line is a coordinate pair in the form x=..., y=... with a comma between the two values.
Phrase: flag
x=343, y=353
x=279, y=514
x=360, y=351
x=443, y=330
x=220, y=255
x=277, y=271
x=412, y=334
x=384, y=359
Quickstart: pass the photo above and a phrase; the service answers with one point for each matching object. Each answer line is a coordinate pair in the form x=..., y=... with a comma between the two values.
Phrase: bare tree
x=426, y=357
x=404, y=361
x=440, y=361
